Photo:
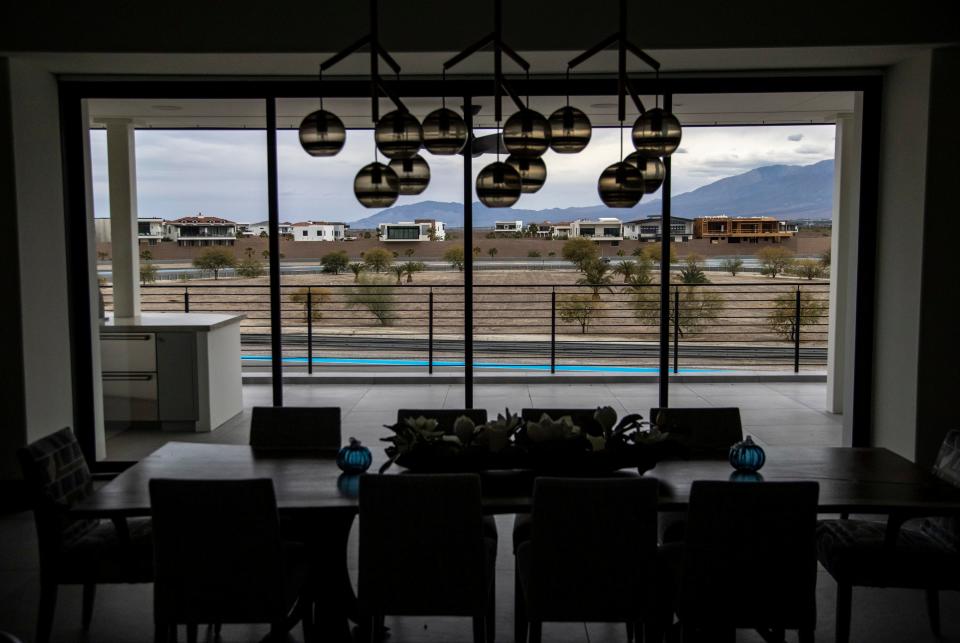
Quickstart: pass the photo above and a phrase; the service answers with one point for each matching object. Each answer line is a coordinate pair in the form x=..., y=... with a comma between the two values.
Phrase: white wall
x=42, y=247
x=903, y=159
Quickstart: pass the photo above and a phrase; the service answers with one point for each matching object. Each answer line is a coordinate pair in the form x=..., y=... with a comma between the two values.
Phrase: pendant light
x=499, y=185
x=570, y=128
x=398, y=135
x=321, y=132
x=526, y=134
x=444, y=130
x=621, y=184
x=651, y=169
x=533, y=172
x=376, y=185
x=413, y=173
x=656, y=132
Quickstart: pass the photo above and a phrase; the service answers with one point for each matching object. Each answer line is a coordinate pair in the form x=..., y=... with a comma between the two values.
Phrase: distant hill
x=783, y=191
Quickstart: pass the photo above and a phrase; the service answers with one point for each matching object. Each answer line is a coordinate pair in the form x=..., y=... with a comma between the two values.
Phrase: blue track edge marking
x=492, y=365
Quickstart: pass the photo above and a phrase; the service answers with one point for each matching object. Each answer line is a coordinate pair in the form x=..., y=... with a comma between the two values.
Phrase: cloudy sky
x=223, y=173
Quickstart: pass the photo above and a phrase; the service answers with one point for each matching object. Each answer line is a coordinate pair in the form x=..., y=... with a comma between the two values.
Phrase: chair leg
x=491, y=617
x=629, y=632
x=48, y=602
x=519, y=611
x=89, y=594
x=192, y=633
x=536, y=631
x=844, y=605
x=479, y=629
x=806, y=636
x=933, y=610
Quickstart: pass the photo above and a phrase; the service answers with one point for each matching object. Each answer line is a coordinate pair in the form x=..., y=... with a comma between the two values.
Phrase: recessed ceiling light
x=167, y=108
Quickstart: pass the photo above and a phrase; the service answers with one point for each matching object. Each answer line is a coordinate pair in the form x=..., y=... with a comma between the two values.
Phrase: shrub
x=250, y=268
x=376, y=295
x=733, y=265
x=697, y=306
x=774, y=260
x=534, y=254
x=454, y=257
x=492, y=252
x=148, y=273
x=807, y=268
x=215, y=260
x=335, y=262
x=378, y=259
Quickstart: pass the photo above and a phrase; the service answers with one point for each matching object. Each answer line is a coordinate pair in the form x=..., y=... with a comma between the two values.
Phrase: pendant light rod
x=372, y=42
x=501, y=85
x=620, y=39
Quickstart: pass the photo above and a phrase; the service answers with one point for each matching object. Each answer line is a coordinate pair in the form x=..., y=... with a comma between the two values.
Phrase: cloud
x=813, y=150
x=682, y=150
x=795, y=137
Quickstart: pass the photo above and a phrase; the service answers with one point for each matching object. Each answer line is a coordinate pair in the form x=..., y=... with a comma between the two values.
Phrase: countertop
x=159, y=322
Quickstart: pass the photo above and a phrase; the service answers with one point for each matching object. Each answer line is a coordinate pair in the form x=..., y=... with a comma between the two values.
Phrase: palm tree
x=356, y=268
x=627, y=269
x=411, y=267
x=398, y=270
x=596, y=275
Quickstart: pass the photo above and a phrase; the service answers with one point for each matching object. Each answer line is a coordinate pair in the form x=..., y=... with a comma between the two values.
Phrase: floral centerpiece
x=547, y=444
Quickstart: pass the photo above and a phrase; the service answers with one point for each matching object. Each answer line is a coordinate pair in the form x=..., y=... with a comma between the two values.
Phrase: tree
x=733, y=265
x=146, y=255
x=626, y=269
x=825, y=258
x=318, y=296
x=697, y=306
x=774, y=260
x=398, y=271
x=454, y=257
x=782, y=320
x=576, y=308
x=148, y=273
x=409, y=252
x=533, y=229
x=367, y=235
x=264, y=235
x=654, y=251
x=432, y=233
x=378, y=259
x=476, y=251
x=492, y=252
x=215, y=260
x=335, y=262
x=534, y=254
x=806, y=268
x=101, y=255
x=250, y=267
x=620, y=252
x=691, y=273
x=579, y=251
x=411, y=267
x=596, y=275
x=356, y=268
x=376, y=295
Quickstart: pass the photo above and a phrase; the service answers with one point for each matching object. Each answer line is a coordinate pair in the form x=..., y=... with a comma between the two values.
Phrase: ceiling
x=692, y=109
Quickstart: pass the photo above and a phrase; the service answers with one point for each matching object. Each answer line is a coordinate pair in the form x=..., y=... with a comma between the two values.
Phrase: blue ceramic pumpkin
x=747, y=455
x=354, y=458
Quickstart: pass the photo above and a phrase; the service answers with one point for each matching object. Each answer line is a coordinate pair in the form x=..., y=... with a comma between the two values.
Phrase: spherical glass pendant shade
x=414, y=174
x=656, y=133
x=376, y=186
x=651, y=169
x=527, y=134
x=444, y=132
x=533, y=173
x=398, y=135
x=498, y=185
x=570, y=130
x=620, y=186
x=322, y=133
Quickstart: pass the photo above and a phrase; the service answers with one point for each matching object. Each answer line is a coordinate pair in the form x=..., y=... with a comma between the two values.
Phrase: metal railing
x=742, y=326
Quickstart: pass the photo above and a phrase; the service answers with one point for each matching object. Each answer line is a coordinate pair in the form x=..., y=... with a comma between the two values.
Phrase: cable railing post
x=186, y=299
x=553, y=330
x=309, y=330
x=676, y=328
x=796, y=335
x=430, y=333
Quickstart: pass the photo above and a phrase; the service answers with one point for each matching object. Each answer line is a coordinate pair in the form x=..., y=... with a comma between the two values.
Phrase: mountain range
x=783, y=191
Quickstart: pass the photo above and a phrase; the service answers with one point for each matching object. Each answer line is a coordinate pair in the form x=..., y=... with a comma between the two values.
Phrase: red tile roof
x=202, y=219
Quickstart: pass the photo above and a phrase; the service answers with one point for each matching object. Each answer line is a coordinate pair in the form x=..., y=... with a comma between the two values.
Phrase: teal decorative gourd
x=747, y=455
x=354, y=458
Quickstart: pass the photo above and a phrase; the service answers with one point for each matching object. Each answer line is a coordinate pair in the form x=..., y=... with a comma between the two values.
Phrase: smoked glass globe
x=414, y=174
x=376, y=186
x=498, y=185
x=526, y=134
x=620, y=186
x=398, y=135
x=570, y=130
x=533, y=173
x=322, y=133
x=444, y=132
x=651, y=169
x=656, y=133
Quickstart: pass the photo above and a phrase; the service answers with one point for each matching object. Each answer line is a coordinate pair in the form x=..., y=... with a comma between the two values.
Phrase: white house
x=318, y=231
x=507, y=227
x=149, y=230
x=418, y=230
x=560, y=230
x=602, y=229
x=648, y=229
x=262, y=228
x=201, y=231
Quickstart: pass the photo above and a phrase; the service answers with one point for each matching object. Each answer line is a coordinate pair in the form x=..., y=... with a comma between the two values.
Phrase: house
x=417, y=230
x=600, y=229
x=262, y=229
x=149, y=230
x=649, y=229
x=201, y=231
x=559, y=230
x=318, y=231
x=507, y=227
x=742, y=229
x=543, y=230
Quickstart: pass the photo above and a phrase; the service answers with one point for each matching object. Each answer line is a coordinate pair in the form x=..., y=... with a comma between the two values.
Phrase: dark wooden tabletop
x=854, y=480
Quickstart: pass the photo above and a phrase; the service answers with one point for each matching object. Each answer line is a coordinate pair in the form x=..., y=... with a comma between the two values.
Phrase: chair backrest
x=946, y=529
x=292, y=428
x=749, y=558
x=217, y=552
x=705, y=432
x=57, y=477
x=445, y=417
x=421, y=544
x=580, y=417
x=593, y=549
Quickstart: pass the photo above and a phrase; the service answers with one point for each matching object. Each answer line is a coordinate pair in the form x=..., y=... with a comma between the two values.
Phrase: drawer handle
x=127, y=377
x=125, y=338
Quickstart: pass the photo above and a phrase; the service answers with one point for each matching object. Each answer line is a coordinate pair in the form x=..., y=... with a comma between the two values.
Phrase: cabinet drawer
x=128, y=352
x=130, y=397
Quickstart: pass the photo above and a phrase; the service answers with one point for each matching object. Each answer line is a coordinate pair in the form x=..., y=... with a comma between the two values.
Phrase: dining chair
x=445, y=417
x=915, y=554
x=592, y=554
x=219, y=558
x=296, y=428
x=748, y=561
x=72, y=551
x=423, y=551
x=704, y=432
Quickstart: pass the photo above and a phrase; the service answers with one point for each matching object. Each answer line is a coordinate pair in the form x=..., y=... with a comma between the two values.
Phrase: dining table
x=872, y=481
